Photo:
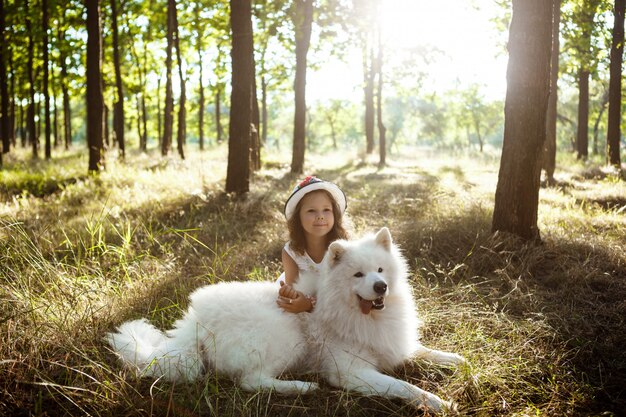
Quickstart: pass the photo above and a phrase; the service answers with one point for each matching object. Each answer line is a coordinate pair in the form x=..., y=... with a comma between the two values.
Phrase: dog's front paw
x=309, y=387
x=433, y=403
x=457, y=359
x=446, y=358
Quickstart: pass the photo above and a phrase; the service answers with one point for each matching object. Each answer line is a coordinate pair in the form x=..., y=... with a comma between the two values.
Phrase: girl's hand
x=287, y=291
x=293, y=301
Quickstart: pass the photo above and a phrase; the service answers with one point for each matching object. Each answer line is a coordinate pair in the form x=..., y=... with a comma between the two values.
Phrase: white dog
x=364, y=323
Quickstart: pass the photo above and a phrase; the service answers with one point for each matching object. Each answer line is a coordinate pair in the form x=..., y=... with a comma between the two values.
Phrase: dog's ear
x=335, y=252
x=383, y=238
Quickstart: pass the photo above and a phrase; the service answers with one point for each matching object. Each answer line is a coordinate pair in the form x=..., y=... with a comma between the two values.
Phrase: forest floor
x=542, y=325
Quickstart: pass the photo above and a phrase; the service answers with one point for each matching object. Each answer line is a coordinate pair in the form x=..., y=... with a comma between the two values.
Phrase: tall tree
x=615, y=86
x=255, y=142
x=604, y=102
x=241, y=118
x=4, y=87
x=31, y=127
x=528, y=80
x=144, y=34
x=95, y=99
x=219, y=130
x=201, y=99
x=12, y=106
x=118, y=105
x=168, y=117
x=582, y=131
x=366, y=20
x=585, y=18
x=182, y=111
x=549, y=156
x=46, y=77
x=220, y=24
x=303, y=22
x=382, y=138
x=369, y=74
x=64, y=80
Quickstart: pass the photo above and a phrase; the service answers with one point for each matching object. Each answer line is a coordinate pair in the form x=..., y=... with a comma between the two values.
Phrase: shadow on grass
x=577, y=289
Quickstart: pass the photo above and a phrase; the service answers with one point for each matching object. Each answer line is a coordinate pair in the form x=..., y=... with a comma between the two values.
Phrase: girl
x=314, y=214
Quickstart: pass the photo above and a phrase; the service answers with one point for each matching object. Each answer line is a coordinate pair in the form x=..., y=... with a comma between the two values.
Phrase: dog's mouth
x=367, y=305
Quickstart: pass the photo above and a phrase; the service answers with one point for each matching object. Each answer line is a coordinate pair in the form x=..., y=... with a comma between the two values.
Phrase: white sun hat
x=309, y=184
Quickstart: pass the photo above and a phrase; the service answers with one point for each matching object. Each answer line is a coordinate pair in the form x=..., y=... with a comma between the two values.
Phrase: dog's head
x=362, y=273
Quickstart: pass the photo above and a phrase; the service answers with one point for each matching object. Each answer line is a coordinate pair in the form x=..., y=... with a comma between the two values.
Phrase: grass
x=541, y=325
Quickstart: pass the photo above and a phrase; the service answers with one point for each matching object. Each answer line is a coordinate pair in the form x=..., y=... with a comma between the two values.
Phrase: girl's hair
x=296, y=231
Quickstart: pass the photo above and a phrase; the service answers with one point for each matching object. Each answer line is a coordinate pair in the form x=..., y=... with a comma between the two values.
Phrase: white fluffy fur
x=238, y=330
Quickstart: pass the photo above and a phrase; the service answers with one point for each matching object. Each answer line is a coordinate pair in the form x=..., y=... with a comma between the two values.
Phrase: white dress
x=304, y=262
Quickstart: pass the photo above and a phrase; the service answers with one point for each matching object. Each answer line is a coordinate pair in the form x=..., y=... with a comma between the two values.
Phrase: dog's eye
x=380, y=270
x=359, y=275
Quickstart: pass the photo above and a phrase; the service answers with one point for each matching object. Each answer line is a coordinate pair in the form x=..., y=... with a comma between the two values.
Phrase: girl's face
x=316, y=214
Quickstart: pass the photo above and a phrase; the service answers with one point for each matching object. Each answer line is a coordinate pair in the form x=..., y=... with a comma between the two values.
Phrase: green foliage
x=457, y=119
x=333, y=125
x=585, y=35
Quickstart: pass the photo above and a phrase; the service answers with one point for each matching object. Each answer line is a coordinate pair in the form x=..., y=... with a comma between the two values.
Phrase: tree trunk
x=22, y=127
x=38, y=119
x=596, y=125
x=201, y=115
x=107, y=134
x=182, y=111
x=218, y=114
x=330, y=118
x=46, y=76
x=238, y=170
x=201, y=92
x=255, y=145
x=4, y=88
x=159, y=117
x=479, y=136
x=263, y=111
x=31, y=127
x=586, y=16
x=582, y=133
x=140, y=133
x=67, y=116
x=369, y=73
x=144, y=119
x=118, y=106
x=141, y=63
x=615, y=87
x=382, y=139
x=65, y=96
x=528, y=86
x=255, y=149
x=549, y=156
x=303, y=23
x=55, y=118
x=12, y=95
x=95, y=101
x=168, y=116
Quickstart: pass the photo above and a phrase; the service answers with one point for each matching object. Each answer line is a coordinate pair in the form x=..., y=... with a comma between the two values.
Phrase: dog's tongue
x=366, y=306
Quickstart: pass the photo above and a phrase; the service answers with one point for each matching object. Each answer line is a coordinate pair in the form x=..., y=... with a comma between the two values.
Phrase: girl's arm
x=290, y=267
x=289, y=299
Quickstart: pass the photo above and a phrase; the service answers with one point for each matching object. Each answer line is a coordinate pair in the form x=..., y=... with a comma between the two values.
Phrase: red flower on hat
x=308, y=180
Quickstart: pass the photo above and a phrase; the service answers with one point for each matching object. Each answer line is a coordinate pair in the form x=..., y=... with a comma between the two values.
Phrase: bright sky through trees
x=466, y=48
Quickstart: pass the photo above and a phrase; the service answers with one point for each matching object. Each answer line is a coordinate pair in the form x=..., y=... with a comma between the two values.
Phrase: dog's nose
x=380, y=287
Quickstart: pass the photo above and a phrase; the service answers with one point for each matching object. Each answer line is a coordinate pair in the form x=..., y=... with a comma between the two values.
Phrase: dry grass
x=542, y=326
